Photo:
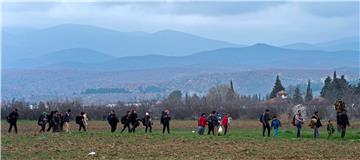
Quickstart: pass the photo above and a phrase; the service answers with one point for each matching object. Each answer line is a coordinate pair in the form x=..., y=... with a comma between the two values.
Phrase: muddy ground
x=244, y=141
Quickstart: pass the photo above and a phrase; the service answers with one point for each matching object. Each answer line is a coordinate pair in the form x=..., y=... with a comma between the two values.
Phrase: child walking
x=330, y=129
x=275, y=123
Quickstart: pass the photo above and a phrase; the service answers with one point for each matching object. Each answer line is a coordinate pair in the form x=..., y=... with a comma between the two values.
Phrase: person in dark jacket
x=42, y=121
x=342, y=122
x=212, y=121
x=112, y=120
x=134, y=121
x=67, y=120
x=125, y=120
x=12, y=119
x=165, y=121
x=81, y=121
x=62, y=122
x=265, y=122
x=56, y=121
x=317, y=124
x=50, y=120
x=147, y=122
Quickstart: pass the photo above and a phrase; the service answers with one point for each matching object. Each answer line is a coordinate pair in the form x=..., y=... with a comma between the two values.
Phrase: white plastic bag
x=220, y=130
x=92, y=153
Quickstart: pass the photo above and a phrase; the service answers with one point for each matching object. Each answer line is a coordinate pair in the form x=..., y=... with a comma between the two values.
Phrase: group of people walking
x=298, y=121
x=267, y=126
x=57, y=120
x=214, y=120
x=130, y=121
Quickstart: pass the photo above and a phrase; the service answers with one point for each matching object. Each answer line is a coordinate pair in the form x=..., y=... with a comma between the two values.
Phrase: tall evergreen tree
x=309, y=94
x=231, y=86
x=334, y=76
x=297, y=97
x=277, y=87
x=336, y=88
x=326, y=90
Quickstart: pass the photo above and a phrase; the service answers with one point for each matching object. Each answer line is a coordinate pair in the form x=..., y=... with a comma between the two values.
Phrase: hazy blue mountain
x=350, y=43
x=258, y=56
x=301, y=46
x=66, y=56
x=112, y=42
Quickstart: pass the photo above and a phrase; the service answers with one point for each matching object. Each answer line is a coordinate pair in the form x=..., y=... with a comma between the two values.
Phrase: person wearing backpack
x=147, y=122
x=56, y=121
x=298, y=123
x=134, y=121
x=342, y=121
x=112, y=120
x=81, y=121
x=225, y=123
x=50, y=120
x=62, y=122
x=165, y=121
x=201, y=124
x=317, y=125
x=67, y=120
x=12, y=119
x=42, y=121
x=276, y=124
x=125, y=120
x=212, y=122
x=265, y=117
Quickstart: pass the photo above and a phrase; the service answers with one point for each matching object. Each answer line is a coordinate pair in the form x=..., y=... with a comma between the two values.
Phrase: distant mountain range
x=73, y=55
x=67, y=45
x=111, y=42
x=350, y=43
x=258, y=56
x=64, y=61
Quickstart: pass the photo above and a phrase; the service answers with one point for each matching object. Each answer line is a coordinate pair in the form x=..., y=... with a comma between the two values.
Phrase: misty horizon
x=16, y=31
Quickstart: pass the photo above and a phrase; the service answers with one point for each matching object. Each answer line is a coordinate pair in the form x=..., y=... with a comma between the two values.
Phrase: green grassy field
x=244, y=141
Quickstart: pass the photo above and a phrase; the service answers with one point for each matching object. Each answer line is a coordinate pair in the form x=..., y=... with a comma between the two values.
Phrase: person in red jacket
x=225, y=123
x=201, y=124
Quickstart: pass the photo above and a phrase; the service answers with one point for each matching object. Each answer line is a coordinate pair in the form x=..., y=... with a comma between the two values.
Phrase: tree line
x=221, y=98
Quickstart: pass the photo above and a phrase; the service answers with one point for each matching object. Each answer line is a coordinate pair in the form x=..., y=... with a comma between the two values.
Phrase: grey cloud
x=332, y=9
x=200, y=8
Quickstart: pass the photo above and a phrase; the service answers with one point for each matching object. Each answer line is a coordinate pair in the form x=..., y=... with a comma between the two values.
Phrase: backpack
x=162, y=119
x=123, y=120
x=293, y=121
x=136, y=123
x=78, y=119
x=143, y=121
x=41, y=121
x=8, y=119
x=313, y=123
x=210, y=121
x=261, y=118
x=216, y=122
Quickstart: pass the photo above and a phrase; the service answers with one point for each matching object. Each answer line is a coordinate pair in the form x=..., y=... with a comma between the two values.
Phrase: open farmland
x=244, y=141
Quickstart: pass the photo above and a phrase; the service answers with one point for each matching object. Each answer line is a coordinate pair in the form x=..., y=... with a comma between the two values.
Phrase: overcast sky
x=238, y=22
